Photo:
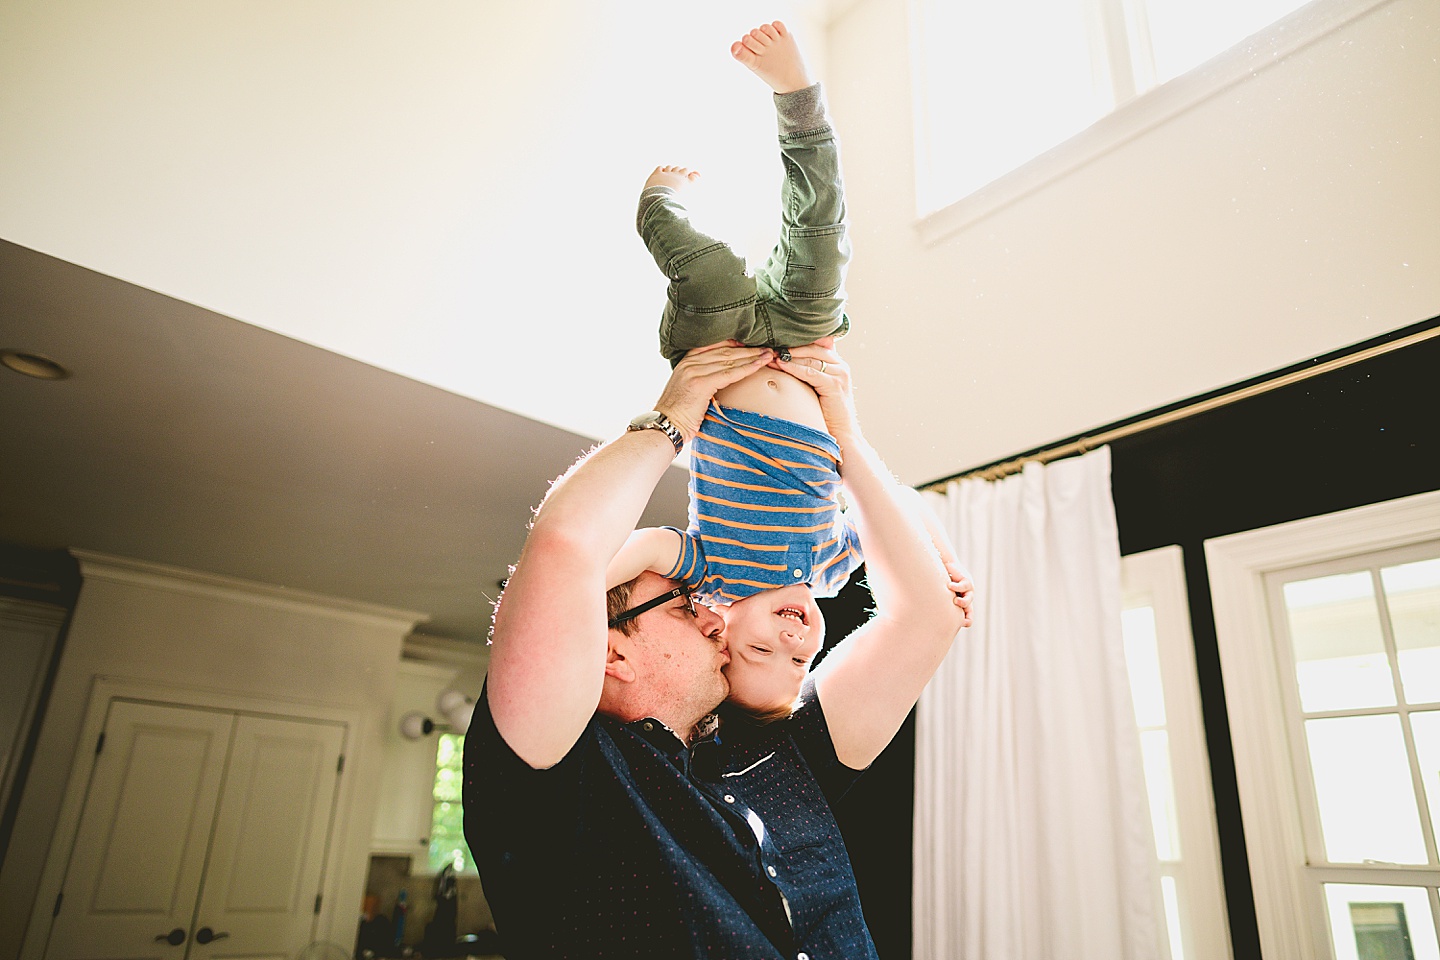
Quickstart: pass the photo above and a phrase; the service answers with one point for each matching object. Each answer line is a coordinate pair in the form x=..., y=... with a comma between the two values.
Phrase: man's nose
x=711, y=623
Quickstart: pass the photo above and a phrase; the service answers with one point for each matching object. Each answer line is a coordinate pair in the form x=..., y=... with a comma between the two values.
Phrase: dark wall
x=1364, y=434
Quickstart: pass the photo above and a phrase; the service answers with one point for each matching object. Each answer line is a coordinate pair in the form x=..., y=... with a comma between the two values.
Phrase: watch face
x=645, y=420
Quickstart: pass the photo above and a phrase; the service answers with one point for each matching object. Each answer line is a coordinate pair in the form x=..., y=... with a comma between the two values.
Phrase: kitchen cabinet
x=405, y=800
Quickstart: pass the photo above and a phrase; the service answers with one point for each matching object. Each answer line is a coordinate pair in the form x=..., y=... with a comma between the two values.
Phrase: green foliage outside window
x=447, y=829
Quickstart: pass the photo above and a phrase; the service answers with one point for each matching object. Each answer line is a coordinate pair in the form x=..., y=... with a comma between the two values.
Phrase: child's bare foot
x=676, y=178
x=771, y=51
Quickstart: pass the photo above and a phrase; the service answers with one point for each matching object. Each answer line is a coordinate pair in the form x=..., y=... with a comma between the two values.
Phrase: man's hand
x=819, y=365
x=699, y=374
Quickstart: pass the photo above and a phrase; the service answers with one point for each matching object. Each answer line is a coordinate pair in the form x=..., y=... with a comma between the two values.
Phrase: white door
x=140, y=849
x=203, y=836
x=259, y=895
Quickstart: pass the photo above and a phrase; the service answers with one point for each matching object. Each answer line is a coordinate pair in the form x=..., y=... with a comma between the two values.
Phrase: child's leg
x=801, y=287
x=711, y=297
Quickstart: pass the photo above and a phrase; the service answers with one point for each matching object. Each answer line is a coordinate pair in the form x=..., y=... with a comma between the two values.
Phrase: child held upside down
x=766, y=533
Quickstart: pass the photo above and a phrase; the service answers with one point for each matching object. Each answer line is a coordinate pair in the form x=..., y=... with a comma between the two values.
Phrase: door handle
x=174, y=937
x=205, y=935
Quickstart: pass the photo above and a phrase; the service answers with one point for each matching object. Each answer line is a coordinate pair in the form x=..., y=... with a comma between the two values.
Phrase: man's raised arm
x=547, y=660
x=868, y=683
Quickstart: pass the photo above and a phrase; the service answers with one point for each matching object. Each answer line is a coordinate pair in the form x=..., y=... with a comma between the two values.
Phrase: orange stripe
x=766, y=436
x=729, y=562
x=756, y=455
x=766, y=547
x=736, y=484
x=833, y=560
x=792, y=444
x=746, y=583
x=726, y=463
x=736, y=525
x=763, y=508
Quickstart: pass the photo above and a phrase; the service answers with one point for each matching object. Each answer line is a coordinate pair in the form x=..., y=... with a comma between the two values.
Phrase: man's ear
x=617, y=666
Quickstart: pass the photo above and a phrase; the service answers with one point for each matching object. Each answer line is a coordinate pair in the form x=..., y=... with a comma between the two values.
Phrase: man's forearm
x=904, y=569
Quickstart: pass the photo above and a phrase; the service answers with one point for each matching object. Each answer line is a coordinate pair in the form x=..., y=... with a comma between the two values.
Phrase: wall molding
x=214, y=586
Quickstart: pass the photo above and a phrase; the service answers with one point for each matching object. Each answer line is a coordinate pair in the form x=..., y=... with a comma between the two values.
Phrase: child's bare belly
x=774, y=393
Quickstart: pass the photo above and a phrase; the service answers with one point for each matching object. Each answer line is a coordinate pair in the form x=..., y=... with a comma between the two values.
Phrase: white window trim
x=1157, y=578
x=1281, y=39
x=1289, y=923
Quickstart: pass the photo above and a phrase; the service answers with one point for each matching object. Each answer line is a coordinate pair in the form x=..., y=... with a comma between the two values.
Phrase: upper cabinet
x=405, y=798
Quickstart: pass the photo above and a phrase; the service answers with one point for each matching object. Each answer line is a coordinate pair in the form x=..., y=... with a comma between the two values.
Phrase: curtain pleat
x=1032, y=828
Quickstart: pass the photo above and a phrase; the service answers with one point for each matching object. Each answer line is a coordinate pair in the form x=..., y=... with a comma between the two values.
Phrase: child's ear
x=617, y=666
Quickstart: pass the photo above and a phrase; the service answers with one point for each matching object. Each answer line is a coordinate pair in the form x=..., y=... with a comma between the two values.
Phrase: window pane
x=1363, y=787
x=1155, y=748
x=1426, y=728
x=1003, y=83
x=1412, y=592
x=447, y=827
x=1380, y=923
x=1184, y=34
x=1142, y=658
x=1340, y=661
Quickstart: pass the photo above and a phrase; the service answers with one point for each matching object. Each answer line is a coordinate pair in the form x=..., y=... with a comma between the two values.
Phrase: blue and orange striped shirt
x=764, y=510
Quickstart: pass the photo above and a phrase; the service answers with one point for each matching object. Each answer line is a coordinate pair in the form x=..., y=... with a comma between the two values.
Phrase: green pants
x=799, y=295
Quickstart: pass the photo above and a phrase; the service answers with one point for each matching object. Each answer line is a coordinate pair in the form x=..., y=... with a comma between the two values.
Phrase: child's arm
x=656, y=549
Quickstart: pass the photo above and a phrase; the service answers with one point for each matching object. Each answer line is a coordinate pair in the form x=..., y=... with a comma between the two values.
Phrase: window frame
x=1289, y=905
x=1132, y=117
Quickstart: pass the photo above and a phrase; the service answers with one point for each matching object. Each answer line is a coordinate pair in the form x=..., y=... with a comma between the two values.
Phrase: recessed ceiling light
x=33, y=365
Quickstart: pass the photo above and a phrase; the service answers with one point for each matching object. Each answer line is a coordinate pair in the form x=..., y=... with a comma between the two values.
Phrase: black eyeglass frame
x=651, y=604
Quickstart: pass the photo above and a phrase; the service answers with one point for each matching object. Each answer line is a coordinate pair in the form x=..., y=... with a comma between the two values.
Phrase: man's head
x=664, y=661
x=773, y=637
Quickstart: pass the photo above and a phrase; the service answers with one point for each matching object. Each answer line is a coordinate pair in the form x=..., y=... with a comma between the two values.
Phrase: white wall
x=1292, y=214
x=194, y=632
x=442, y=188
x=445, y=189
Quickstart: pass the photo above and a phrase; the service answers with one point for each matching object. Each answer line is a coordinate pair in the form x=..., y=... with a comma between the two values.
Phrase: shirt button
x=649, y=726
x=798, y=573
x=770, y=870
x=802, y=956
x=729, y=799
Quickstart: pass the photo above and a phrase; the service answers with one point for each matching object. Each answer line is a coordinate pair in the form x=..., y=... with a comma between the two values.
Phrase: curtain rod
x=1084, y=444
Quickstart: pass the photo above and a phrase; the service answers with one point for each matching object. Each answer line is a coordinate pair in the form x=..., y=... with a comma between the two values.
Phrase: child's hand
x=963, y=588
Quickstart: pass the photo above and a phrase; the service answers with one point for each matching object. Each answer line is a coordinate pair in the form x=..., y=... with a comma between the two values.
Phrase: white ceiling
x=191, y=439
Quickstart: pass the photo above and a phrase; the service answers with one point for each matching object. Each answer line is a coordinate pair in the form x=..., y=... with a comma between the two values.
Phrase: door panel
x=270, y=839
x=140, y=848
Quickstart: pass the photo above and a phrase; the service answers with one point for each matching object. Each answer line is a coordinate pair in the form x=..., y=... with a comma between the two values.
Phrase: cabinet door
x=271, y=833
x=140, y=848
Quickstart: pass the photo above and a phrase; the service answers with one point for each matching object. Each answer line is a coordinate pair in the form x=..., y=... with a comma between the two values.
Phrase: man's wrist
x=661, y=423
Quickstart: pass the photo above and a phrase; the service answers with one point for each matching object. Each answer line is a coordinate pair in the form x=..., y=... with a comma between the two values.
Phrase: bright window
x=1160, y=657
x=447, y=829
x=999, y=84
x=1356, y=642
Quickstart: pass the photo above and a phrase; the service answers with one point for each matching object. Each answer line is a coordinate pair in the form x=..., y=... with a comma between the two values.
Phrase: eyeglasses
x=654, y=602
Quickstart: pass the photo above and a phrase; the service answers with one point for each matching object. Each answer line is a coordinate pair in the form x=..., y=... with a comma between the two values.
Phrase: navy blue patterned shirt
x=635, y=846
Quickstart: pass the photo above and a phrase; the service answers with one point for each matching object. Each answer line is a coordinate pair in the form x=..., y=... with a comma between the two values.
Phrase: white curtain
x=1032, y=829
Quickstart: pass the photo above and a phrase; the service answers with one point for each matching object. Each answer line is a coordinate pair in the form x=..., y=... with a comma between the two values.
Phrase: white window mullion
x=1111, y=69
x=1417, y=775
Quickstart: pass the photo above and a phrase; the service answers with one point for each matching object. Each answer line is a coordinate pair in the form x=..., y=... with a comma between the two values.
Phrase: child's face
x=773, y=636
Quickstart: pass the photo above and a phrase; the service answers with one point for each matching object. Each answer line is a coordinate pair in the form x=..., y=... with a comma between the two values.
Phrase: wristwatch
x=655, y=420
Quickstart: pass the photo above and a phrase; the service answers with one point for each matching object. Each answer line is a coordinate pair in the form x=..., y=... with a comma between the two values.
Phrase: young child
x=766, y=534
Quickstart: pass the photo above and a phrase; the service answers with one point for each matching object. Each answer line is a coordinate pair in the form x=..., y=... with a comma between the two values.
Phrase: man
x=606, y=816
